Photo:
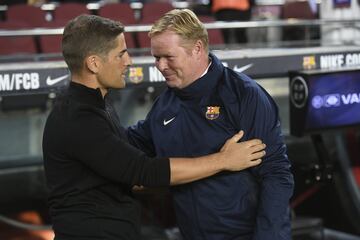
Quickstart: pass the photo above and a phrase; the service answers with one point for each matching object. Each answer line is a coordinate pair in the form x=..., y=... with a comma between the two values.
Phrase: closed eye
x=121, y=54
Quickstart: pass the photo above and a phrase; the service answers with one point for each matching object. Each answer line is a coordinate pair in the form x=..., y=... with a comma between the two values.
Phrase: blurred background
x=276, y=42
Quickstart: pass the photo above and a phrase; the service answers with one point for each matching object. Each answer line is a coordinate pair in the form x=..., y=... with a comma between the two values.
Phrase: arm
x=113, y=158
x=140, y=137
x=233, y=156
x=110, y=156
x=273, y=218
x=184, y=170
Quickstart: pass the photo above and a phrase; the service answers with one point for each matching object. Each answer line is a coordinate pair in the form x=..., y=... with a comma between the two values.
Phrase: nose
x=161, y=64
x=128, y=60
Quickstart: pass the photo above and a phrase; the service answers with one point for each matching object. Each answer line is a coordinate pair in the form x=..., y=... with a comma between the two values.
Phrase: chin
x=122, y=84
x=172, y=84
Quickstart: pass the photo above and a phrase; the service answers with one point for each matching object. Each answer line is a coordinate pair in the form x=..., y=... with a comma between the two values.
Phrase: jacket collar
x=204, y=84
x=86, y=95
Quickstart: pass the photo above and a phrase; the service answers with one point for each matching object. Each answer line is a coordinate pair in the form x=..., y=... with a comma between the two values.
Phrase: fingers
x=253, y=142
x=237, y=136
x=259, y=154
x=258, y=147
x=255, y=162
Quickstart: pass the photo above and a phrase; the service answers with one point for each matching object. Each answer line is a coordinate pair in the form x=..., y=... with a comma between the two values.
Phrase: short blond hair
x=184, y=23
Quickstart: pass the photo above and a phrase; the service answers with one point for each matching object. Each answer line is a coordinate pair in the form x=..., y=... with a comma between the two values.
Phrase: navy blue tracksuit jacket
x=197, y=120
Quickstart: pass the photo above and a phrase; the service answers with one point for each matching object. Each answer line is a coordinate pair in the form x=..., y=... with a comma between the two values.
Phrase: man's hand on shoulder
x=237, y=156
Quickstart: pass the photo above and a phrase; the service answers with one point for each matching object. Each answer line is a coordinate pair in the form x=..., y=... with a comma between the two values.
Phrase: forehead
x=166, y=38
x=167, y=41
x=119, y=46
x=120, y=40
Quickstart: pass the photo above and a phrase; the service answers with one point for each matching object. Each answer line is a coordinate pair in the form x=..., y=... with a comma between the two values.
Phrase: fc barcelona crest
x=212, y=112
x=136, y=75
x=309, y=62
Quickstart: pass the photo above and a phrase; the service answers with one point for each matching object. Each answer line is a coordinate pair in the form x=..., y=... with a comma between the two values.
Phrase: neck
x=203, y=66
x=89, y=81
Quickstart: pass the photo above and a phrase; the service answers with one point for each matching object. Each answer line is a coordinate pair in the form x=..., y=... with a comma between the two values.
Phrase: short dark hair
x=86, y=35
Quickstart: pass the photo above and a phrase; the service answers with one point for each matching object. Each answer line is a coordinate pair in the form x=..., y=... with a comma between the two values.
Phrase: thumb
x=237, y=136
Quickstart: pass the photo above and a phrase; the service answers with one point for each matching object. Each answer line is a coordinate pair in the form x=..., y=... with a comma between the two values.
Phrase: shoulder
x=239, y=79
x=75, y=116
x=165, y=99
x=239, y=84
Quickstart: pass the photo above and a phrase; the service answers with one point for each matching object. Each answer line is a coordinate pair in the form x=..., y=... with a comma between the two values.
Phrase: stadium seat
x=143, y=39
x=31, y=15
x=215, y=35
x=51, y=43
x=120, y=12
x=299, y=10
x=61, y=15
x=16, y=45
x=151, y=12
x=68, y=11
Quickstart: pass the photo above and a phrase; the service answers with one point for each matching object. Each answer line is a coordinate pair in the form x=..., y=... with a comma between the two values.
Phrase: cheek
x=119, y=68
x=176, y=66
x=187, y=69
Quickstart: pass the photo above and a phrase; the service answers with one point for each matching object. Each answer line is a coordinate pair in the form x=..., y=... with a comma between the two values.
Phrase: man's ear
x=93, y=63
x=198, y=47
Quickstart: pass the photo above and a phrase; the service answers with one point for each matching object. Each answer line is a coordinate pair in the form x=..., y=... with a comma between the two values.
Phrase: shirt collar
x=207, y=69
x=86, y=95
x=205, y=83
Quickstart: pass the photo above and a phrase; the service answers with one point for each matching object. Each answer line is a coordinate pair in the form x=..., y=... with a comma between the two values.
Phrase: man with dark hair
x=204, y=104
x=90, y=167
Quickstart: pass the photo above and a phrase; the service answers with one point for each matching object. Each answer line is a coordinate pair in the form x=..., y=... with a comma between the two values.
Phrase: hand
x=238, y=156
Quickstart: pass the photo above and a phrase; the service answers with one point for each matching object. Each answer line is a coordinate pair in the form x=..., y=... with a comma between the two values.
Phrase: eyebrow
x=122, y=51
x=163, y=55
